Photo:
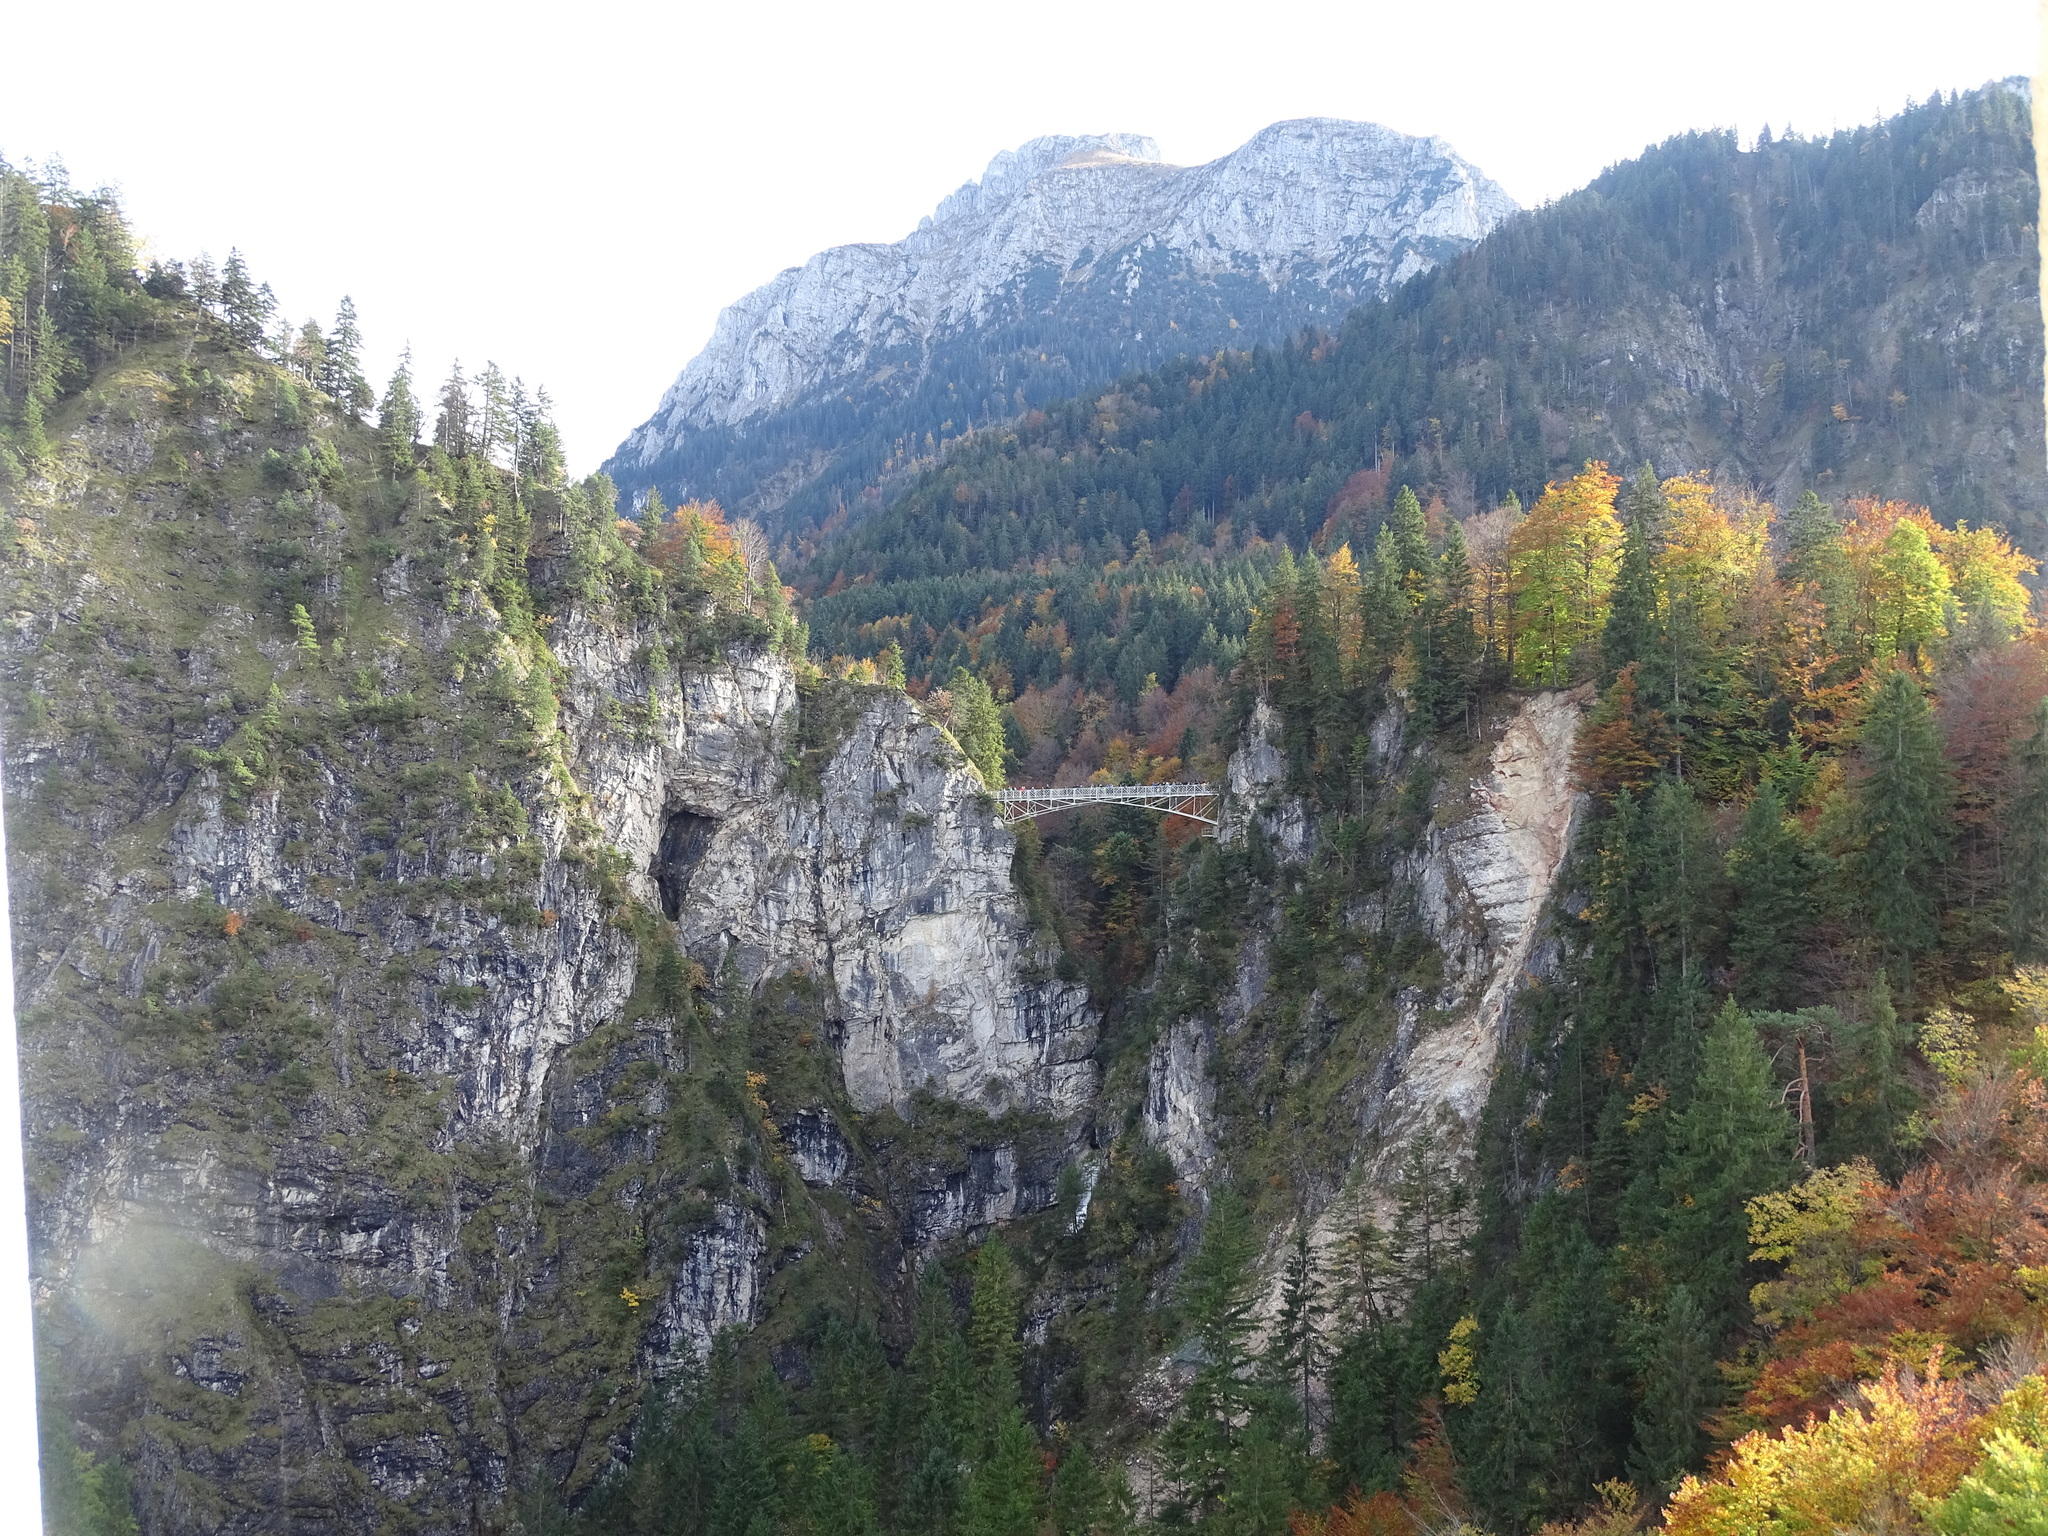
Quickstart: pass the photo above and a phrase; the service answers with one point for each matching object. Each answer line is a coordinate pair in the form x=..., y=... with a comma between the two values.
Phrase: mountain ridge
x=1073, y=258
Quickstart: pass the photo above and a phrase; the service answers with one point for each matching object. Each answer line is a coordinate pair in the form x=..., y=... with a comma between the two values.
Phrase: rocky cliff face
x=1108, y=258
x=373, y=1171
x=888, y=876
x=1478, y=882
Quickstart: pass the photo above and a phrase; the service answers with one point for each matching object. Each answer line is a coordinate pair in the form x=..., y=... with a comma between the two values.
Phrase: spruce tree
x=1447, y=639
x=1874, y=1099
x=1899, y=821
x=1004, y=1490
x=653, y=515
x=1411, y=546
x=1731, y=1141
x=1215, y=1304
x=1772, y=875
x=452, y=421
x=341, y=373
x=1631, y=630
x=1680, y=901
x=1295, y=1355
x=1681, y=1385
x=1429, y=1205
x=398, y=419
x=942, y=1392
x=978, y=725
x=240, y=302
x=2027, y=853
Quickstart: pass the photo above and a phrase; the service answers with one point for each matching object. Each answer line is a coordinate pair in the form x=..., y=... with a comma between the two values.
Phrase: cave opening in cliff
x=684, y=838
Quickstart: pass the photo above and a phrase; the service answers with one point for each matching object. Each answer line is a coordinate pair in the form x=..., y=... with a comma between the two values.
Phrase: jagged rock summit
x=1072, y=259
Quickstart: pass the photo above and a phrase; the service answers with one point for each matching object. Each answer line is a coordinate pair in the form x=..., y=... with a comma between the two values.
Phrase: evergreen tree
x=1631, y=630
x=398, y=419
x=671, y=985
x=1429, y=1207
x=978, y=725
x=1772, y=875
x=241, y=303
x=1216, y=1316
x=341, y=370
x=889, y=666
x=735, y=997
x=1410, y=529
x=1680, y=900
x=1003, y=1493
x=1447, y=640
x=1899, y=819
x=452, y=434
x=1732, y=1141
x=1681, y=1386
x=1295, y=1354
x=1874, y=1098
x=942, y=1392
x=2027, y=853
x=653, y=515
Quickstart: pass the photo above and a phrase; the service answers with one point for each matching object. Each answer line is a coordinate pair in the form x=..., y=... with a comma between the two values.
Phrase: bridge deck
x=1197, y=802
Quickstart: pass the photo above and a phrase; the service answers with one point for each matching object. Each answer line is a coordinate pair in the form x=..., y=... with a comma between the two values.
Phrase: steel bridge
x=1197, y=802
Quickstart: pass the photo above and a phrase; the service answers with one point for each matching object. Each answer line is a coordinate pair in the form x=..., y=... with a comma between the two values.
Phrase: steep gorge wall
x=366, y=1183
x=1480, y=882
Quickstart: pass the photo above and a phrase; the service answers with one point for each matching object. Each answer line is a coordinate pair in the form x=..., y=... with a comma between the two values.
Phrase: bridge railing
x=1197, y=802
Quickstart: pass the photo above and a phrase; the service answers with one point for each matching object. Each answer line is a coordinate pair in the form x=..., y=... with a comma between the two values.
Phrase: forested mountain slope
x=512, y=1043
x=1854, y=314
x=1073, y=259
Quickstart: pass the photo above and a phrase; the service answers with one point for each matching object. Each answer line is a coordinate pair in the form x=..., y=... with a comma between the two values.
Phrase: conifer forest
x=533, y=1019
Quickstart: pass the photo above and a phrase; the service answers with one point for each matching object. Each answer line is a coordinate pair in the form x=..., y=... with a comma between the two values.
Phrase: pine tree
x=1899, y=825
x=1772, y=874
x=398, y=419
x=2027, y=853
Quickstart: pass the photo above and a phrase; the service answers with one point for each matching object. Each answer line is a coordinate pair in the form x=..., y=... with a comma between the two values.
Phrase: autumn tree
x=1562, y=562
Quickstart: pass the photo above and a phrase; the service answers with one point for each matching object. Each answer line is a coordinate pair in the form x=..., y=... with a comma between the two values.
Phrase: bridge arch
x=1196, y=802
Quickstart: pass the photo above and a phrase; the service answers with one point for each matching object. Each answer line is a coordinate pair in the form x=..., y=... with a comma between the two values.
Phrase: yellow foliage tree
x=1873, y=1466
x=1561, y=561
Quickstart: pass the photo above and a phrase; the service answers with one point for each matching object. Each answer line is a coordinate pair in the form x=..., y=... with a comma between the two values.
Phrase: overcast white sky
x=575, y=191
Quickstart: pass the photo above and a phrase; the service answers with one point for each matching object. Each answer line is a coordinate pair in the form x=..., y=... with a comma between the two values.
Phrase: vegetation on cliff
x=1753, y=1234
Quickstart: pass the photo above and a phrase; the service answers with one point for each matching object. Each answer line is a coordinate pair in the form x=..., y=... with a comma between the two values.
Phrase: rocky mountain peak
x=1108, y=256
x=1013, y=169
